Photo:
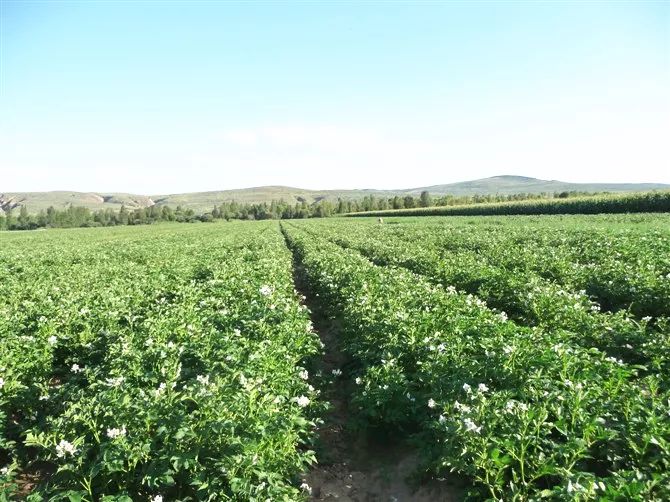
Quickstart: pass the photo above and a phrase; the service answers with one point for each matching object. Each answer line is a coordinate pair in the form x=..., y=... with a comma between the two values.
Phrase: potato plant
x=527, y=297
x=527, y=355
x=523, y=412
x=157, y=363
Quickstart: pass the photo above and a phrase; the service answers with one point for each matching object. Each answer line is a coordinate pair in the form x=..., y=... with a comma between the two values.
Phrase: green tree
x=123, y=215
x=23, y=219
x=425, y=200
x=153, y=213
x=9, y=218
x=41, y=220
x=167, y=214
x=139, y=216
x=52, y=217
x=323, y=209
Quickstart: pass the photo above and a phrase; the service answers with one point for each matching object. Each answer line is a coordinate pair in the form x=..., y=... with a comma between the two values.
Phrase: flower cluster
x=64, y=448
x=115, y=433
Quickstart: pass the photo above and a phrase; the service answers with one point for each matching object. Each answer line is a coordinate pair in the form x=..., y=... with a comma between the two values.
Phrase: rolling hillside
x=37, y=201
x=203, y=201
x=523, y=184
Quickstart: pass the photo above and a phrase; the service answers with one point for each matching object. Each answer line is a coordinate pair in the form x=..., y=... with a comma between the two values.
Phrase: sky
x=157, y=97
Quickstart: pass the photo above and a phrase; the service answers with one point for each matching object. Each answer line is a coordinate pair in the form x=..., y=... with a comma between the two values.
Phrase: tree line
x=74, y=216
x=651, y=202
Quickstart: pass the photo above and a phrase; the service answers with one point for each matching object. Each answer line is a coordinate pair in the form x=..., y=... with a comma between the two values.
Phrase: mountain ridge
x=203, y=201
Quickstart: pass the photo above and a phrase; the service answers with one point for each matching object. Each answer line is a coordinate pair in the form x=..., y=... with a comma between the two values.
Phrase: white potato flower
x=470, y=426
x=64, y=448
x=115, y=433
x=115, y=382
x=302, y=401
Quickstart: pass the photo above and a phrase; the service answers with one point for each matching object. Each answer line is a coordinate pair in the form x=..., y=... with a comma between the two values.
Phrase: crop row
x=161, y=363
x=627, y=203
x=528, y=298
x=523, y=412
x=621, y=270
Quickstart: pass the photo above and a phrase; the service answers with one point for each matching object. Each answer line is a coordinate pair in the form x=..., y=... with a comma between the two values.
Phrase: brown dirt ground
x=355, y=468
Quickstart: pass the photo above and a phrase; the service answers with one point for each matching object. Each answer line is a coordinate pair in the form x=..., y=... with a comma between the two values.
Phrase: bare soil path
x=352, y=466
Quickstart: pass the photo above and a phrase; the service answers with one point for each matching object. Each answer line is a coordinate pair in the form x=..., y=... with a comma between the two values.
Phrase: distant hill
x=36, y=201
x=523, y=184
x=203, y=201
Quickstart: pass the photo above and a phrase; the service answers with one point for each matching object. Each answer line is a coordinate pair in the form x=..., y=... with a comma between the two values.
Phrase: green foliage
x=629, y=203
x=567, y=404
x=528, y=354
x=154, y=361
x=425, y=199
x=74, y=216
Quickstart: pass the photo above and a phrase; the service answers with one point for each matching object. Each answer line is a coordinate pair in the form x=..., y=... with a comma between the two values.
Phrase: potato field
x=522, y=357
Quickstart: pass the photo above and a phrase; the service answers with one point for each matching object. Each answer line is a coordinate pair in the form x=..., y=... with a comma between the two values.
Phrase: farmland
x=526, y=357
x=155, y=363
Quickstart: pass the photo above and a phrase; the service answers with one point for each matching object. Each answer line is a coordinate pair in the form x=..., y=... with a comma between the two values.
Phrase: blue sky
x=164, y=97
